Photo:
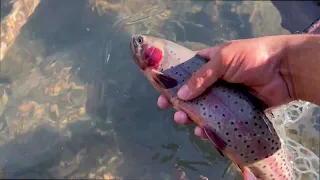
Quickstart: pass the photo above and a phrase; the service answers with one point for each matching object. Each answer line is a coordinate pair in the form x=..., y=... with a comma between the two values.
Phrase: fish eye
x=140, y=40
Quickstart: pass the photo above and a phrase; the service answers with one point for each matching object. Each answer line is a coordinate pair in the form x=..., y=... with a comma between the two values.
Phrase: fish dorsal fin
x=215, y=140
x=164, y=81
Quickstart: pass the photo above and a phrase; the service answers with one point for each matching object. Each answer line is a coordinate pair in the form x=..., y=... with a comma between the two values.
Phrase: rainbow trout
x=232, y=117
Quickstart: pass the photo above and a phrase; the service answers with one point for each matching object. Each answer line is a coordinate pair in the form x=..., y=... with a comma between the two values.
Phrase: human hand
x=255, y=63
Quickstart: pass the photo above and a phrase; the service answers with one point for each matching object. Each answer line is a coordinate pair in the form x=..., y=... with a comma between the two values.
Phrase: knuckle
x=202, y=76
x=196, y=80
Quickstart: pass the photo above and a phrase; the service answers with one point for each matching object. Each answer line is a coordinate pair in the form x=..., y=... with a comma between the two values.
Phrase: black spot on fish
x=246, y=122
x=248, y=146
x=252, y=152
x=232, y=123
x=245, y=141
x=258, y=141
x=241, y=110
x=210, y=115
x=235, y=129
x=227, y=133
x=223, y=115
x=215, y=106
x=265, y=147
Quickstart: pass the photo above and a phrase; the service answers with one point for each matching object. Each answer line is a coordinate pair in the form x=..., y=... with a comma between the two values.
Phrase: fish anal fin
x=215, y=140
x=248, y=175
x=164, y=81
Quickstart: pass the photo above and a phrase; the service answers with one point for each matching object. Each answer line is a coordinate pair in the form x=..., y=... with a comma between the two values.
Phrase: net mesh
x=298, y=124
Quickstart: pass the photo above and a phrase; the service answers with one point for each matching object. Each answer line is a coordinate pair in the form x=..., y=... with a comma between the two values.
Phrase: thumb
x=208, y=52
x=203, y=77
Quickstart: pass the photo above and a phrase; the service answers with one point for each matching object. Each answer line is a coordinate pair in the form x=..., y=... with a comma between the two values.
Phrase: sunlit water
x=78, y=107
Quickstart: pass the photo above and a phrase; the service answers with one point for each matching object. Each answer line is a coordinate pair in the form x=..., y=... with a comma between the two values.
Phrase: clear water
x=78, y=107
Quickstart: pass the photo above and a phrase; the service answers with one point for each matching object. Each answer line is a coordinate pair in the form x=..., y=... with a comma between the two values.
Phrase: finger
x=181, y=118
x=163, y=103
x=200, y=132
x=208, y=52
x=201, y=79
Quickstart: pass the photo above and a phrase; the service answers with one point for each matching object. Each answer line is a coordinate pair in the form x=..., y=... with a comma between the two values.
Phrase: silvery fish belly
x=231, y=116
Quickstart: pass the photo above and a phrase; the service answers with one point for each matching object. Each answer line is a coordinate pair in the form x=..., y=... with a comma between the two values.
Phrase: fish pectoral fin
x=215, y=140
x=164, y=81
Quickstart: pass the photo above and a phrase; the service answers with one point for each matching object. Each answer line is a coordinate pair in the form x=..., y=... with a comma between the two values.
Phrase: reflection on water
x=78, y=107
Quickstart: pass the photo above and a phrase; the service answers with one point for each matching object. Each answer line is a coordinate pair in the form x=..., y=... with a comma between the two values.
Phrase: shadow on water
x=297, y=15
x=6, y=7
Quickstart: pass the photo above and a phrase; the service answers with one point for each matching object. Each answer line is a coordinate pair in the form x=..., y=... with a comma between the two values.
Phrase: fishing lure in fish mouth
x=232, y=117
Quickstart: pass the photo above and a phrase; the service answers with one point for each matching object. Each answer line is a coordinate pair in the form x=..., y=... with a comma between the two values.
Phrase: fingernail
x=184, y=92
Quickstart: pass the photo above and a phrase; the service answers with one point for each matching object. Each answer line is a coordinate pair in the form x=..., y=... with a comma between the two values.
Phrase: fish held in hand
x=231, y=116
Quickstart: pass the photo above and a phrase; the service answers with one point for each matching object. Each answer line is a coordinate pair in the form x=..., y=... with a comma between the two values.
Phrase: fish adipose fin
x=164, y=81
x=215, y=140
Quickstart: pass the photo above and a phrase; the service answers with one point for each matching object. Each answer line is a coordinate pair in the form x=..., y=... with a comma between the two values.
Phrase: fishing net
x=298, y=124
